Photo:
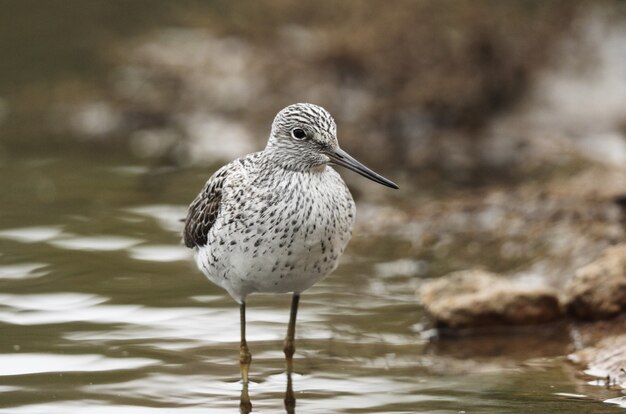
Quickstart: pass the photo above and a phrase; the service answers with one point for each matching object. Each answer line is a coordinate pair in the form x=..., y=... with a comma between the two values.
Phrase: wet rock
x=475, y=298
x=603, y=350
x=598, y=290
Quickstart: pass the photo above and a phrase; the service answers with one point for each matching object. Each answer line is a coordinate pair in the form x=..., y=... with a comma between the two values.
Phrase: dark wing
x=203, y=210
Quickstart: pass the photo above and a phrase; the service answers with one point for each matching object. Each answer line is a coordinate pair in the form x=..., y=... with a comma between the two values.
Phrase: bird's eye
x=298, y=133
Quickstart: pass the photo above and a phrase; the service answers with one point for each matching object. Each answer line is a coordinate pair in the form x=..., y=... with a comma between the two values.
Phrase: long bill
x=340, y=157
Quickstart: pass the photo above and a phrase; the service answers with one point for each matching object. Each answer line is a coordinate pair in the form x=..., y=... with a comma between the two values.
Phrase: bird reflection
x=290, y=398
x=245, y=405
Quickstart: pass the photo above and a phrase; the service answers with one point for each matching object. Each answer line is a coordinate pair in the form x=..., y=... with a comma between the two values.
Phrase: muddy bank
x=541, y=230
x=470, y=301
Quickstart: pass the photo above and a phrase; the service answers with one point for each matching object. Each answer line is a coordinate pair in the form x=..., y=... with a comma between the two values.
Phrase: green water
x=101, y=309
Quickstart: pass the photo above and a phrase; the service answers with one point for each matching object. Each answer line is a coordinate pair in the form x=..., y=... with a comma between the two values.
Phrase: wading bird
x=276, y=221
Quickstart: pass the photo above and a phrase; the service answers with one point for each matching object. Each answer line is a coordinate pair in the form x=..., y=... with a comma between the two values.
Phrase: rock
x=475, y=298
x=598, y=290
x=607, y=360
x=603, y=350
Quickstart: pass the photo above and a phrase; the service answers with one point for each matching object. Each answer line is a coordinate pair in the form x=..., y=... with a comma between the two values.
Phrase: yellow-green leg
x=244, y=353
x=290, y=347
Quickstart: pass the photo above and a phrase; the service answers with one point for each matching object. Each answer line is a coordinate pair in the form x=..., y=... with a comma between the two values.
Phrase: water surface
x=101, y=309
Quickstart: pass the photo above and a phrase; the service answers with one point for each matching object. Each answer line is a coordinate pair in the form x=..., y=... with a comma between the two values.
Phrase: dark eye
x=298, y=133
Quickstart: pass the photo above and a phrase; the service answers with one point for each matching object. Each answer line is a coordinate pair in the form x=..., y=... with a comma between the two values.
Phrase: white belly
x=286, y=247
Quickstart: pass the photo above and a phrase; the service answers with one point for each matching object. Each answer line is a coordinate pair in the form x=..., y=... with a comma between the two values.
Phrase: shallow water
x=102, y=310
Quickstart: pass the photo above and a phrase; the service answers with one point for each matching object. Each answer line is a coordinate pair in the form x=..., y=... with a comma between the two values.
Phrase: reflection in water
x=245, y=405
x=159, y=253
x=31, y=234
x=166, y=217
x=27, y=363
x=96, y=243
x=290, y=398
x=21, y=271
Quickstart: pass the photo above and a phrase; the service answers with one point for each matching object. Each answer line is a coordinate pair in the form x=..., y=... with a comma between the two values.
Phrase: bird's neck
x=292, y=160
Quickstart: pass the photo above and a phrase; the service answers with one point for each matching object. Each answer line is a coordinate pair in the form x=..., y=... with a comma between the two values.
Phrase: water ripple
x=160, y=253
x=96, y=243
x=98, y=407
x=31, y=363
x=191, y=325
x=167, y=216
x=51, y=302
x=619, y=401
x=178, y=328
x=22, y=271
x=31, y=234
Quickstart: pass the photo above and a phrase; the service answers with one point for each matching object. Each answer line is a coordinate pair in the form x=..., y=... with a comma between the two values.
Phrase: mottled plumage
x=277, y=220
x=203, y=211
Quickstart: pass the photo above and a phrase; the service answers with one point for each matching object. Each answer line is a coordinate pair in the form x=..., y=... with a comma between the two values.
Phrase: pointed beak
x=340, y=157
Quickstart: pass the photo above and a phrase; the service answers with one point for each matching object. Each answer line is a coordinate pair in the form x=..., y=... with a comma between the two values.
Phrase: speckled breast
x=282, y=236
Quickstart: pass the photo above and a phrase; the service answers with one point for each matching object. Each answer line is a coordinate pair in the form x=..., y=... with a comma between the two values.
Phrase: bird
x=277, y=221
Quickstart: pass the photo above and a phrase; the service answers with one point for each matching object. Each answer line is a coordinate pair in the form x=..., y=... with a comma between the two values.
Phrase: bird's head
x=305, y=136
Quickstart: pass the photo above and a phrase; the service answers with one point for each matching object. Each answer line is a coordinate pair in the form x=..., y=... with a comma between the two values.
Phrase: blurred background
x=503, y=122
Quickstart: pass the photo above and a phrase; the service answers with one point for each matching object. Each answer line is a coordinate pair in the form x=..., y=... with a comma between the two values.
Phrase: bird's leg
x=244, y=353
x=290, y=347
